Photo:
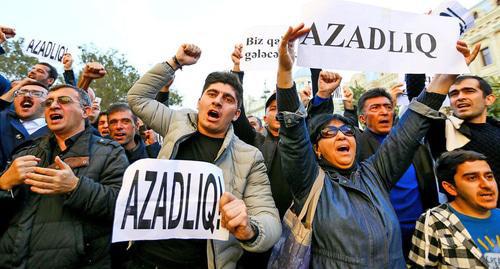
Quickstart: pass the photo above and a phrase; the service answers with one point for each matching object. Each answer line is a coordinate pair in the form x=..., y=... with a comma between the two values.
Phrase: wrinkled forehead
x=64, y=92
x=466, y=84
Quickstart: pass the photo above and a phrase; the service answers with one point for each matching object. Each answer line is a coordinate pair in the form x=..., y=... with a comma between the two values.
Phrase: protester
x=354, y=205
x=256, y=123
x=247, y=208
x=102, y=124
x=124, y=128
x=61, y=191
x=416, y=191
x=23, y=124
x=461, y=233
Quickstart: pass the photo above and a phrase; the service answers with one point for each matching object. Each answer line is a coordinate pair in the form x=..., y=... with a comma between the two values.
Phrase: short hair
x=225, y=78
x=483, y=84
x=258, y=120
x=52, y=72
x=116, y=107
x=84, y=97
x=447, y=163
x=372, y=93
x=36, y=83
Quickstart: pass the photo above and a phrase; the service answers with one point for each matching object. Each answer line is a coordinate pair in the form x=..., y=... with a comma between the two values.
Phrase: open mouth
x=487, y=195
x=213, y=114
x=27, y=103
x=343, y=148
x=119, y=135
x=384, y=121
x=55, y=117
x=463, y=105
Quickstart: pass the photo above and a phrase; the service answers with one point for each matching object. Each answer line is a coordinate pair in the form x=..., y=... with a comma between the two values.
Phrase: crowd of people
x=62, y=161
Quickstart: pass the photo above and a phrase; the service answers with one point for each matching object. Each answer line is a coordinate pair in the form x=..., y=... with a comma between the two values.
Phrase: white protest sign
x=354, y=36
x=260, y=48
x=455, y=10
x=162, y=199
x=44, y=49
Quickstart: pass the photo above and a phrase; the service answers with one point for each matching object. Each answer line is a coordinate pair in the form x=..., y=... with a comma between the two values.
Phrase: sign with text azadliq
x=354, y=36
x=163, y=199
x=44, y=49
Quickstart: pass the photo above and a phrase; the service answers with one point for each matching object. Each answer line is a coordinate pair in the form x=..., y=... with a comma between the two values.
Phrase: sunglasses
x=25, y=92
x=331, y=131
x=62, y=100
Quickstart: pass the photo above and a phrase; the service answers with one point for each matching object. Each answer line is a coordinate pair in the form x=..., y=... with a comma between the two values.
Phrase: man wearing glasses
x=24, y=122
x=61, y=191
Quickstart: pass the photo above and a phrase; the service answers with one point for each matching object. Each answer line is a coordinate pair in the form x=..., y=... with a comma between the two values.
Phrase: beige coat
x=242, y=165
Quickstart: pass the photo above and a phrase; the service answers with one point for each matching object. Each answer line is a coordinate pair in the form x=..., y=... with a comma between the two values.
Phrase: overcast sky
x=150, y=31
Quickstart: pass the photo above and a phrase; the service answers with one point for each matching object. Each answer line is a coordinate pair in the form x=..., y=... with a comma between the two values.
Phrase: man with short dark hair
x=463, y=233
x=123, y=128
x=61, y=191
x=416, y=190
x=247, y=208
x=470, y=127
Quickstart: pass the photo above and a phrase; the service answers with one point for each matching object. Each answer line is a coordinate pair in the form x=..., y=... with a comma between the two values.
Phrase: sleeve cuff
x=432, y=100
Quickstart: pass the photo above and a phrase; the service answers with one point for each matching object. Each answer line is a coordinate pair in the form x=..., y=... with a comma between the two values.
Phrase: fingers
x=329, y=77
x=62, y=165
x=226, y=198
x=192, y=50
x=45, y=171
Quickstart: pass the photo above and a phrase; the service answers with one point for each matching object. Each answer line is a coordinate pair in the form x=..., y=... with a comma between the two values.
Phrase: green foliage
x=174, y=98
x=494, y=110
x=119, y=78
x=14, y=64
x=357, y=91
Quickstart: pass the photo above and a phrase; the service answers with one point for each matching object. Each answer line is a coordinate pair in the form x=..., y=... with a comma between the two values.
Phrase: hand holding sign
x=52, y=181
x=188, y=54
x=236, y=57
x=468, y=55
x=234, y=217
x=286, y=55
x=17, y=171
x=6, y=33
x=327, y=83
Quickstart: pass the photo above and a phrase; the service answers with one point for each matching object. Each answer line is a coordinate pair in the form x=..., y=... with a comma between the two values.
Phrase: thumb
x=62, y=165
x=226, y=197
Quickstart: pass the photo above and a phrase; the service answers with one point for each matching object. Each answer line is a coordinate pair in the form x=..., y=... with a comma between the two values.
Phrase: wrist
x=172, y=64
x=176, y=61
x=323, y=95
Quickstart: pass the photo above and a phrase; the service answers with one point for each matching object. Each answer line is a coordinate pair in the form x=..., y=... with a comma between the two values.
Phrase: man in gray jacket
x=247, y=207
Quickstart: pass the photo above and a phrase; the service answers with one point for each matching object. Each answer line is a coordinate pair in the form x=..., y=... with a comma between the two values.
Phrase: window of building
x=486, y=55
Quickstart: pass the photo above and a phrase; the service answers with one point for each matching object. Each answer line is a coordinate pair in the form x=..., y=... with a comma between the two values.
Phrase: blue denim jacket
x=355, y=225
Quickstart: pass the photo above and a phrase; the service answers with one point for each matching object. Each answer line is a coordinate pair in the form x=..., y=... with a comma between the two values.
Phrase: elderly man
x=61, y=191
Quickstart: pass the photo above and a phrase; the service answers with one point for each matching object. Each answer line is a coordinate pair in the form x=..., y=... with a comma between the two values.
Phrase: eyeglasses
x=331, y=131
x=25, y=92
x=62, y=100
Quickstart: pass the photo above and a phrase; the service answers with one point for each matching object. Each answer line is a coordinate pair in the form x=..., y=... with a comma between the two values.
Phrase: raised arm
x=395, y=154
x=297, y=157
x=141, y=97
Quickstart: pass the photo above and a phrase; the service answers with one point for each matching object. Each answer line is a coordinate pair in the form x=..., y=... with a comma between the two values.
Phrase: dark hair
x=258, y=120
x=483, y=84
x=318, y=122
x=117, y=107
x=226, y=78
x=447, y=163
x=96, y=123
x=84, y=97
x=372, y=93
x=36, y=83
x=52, y=72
